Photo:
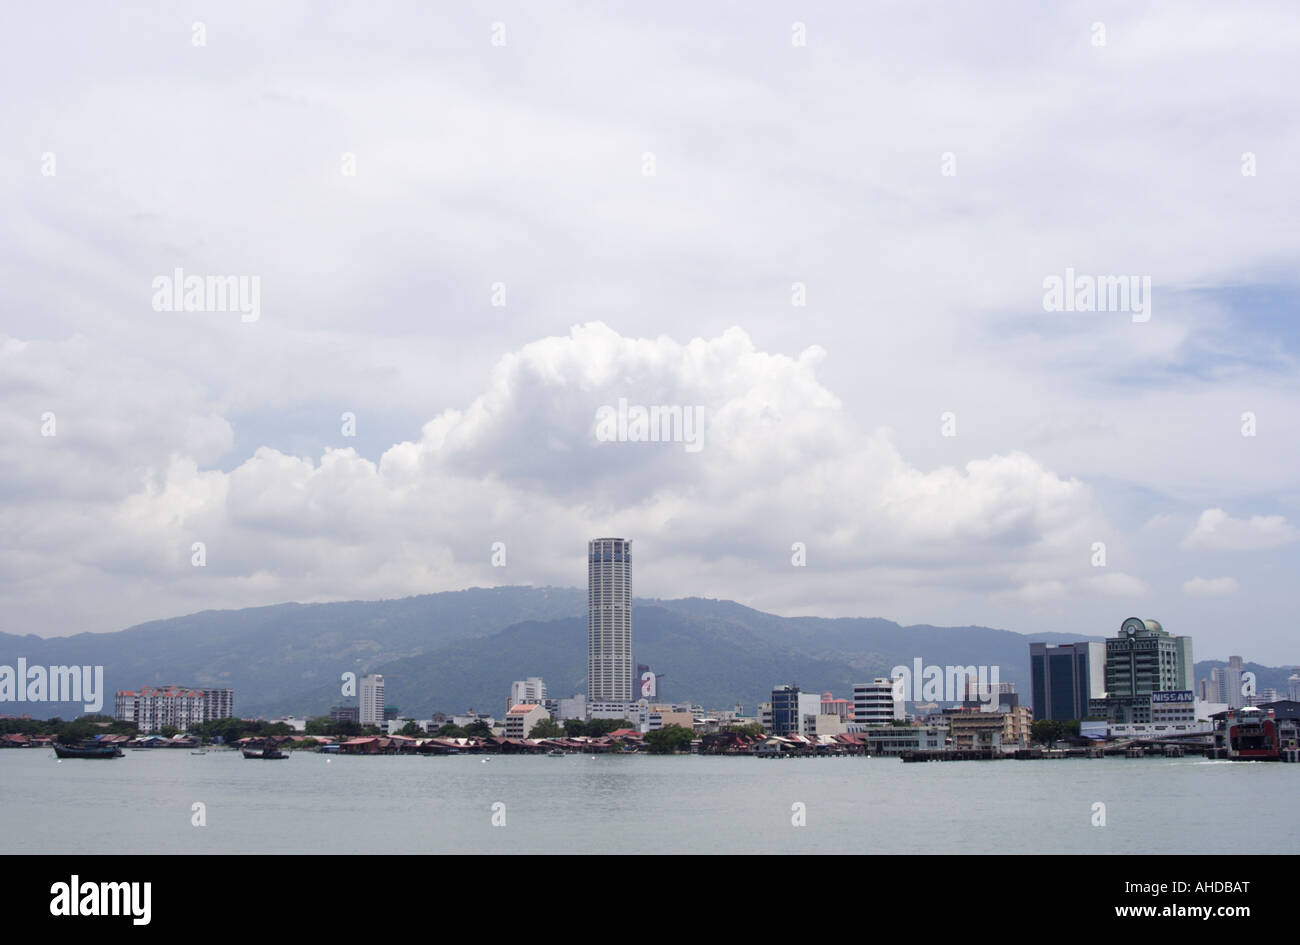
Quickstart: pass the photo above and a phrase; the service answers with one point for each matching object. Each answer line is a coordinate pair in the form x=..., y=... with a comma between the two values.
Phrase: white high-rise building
x=609, y=621
x=530, y=691
x=1293, y=686
x=1229, y=680
x=372, y=700
x=877, y=702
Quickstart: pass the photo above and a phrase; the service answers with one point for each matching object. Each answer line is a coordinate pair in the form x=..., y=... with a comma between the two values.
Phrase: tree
x=750, y=729
x=669, y=739
x=410, y=728
x=547, y=728
x=1046, y=731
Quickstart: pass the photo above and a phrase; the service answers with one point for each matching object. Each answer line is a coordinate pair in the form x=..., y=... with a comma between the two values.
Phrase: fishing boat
x=555, y=753
x=87, y=751
x=269, y=753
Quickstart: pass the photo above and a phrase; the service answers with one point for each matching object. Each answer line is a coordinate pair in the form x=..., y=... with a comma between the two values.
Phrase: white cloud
x=1117, y=584
x=1210, y=587
x=1215, y=530
x=520, y=463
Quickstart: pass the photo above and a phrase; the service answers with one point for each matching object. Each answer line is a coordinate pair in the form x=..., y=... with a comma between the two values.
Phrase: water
x=314, y=803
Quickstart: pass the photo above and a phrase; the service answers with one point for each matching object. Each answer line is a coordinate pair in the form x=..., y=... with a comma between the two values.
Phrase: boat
x=201, y=751
x=555, y=753
x=268, y=753
x=87, y=751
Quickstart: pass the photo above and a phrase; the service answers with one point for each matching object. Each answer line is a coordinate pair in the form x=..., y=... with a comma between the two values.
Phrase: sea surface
x=312, y=803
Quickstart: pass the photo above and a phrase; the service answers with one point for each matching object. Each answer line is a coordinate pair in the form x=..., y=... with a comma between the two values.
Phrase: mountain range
x=455, y=650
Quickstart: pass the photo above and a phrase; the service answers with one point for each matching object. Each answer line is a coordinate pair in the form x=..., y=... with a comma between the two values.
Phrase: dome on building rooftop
x=1154, y=625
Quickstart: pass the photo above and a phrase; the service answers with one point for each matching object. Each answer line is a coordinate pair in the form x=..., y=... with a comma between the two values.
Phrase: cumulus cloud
x=1215, y=530
x=1210, y=587
x=520, y=463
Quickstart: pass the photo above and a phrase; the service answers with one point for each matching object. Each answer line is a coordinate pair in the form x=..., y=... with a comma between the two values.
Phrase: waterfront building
x=1144, y=658
x=876, y=703
x=896, y=739
x=794, y=712
x=609, y=621
x=371, y=702
x=218, y=704
x=1064, y=679
x=661, y=716
x=524, y=691
x=832, y=723
x=1006, y=731
x=521, y=719
x=152, y=707
x=636, y=714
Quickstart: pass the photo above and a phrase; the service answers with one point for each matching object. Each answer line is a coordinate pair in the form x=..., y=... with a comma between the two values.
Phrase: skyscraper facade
x=1144, y=659
x=372, y=700
x=609, y=621
x=1066, y=678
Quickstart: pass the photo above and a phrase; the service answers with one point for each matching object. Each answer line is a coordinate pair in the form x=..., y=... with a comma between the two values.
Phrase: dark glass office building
x=1065, y=678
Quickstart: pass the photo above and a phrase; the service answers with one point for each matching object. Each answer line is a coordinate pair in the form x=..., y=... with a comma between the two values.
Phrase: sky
x=830, y=227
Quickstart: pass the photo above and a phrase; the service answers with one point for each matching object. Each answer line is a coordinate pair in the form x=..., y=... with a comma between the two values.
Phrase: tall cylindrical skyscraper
x=609, y=620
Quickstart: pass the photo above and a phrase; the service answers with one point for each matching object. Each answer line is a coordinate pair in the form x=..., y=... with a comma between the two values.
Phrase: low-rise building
x=896, y=739
x=831, y=723
x=1006, y=731
x=521, y=719
x=662, y=716
x=635, y=712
